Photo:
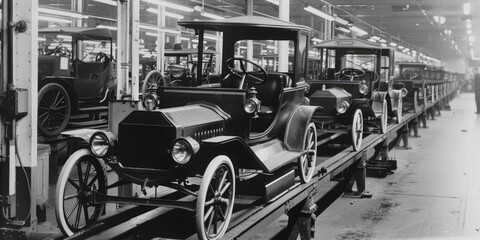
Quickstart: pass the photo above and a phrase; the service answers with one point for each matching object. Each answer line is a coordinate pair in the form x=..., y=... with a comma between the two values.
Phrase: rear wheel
x=357, y=129
x=306, y=162
x=80, y=176
x=53, y=109
x=215, y=199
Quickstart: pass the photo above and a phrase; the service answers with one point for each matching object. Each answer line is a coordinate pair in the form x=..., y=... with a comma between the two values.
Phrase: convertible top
x=81, y=33
x=244, y=22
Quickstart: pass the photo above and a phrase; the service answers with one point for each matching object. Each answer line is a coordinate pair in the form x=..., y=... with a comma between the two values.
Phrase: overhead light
x=53, y=19
x=471, y=38
x=109, y=2
x=211, y=37
x=341, y=20
x=170, y=5
x=393, y=44
x=107, y=27
x=468, y=25
x=359, y=31
x=61, y=13
x=469, y=31
x=41, y=39
x=401, y=47
x=383, y=45
x=317, y=40
x=466, y=8
x=276, y=2
x=166, y=30
x=448, y=32
x=440, y=19
x=345, y=30
x=319, y=13
x=376, y=38
x=382, y=40
x=371, y=40
x=168, y=14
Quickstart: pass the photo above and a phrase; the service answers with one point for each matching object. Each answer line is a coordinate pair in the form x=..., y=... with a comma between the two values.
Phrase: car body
x=180, y=70
x=252, y=122
x=364, y=96
x=414, y=76
x=74, y=75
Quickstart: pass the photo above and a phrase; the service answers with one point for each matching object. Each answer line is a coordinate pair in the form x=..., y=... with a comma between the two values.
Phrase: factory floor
x=434, y=193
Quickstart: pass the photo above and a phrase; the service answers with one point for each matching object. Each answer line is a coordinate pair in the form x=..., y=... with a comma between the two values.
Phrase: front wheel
x=357, y=130
x=53, y=109
x=306, y=162
x=80, y=176
x=215, y=199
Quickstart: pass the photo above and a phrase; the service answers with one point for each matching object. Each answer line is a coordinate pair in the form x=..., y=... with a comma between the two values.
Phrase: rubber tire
x=66, y=102
x=68, y=167
x=306, y=175
x=356, y=131
x=220, y=161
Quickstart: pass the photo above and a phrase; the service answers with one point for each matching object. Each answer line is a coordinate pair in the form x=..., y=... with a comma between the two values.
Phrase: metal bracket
x=20, y=26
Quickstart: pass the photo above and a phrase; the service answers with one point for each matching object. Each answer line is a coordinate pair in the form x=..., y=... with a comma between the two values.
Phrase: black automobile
x=354, y=87
x=75, y=75
x=249, y=135
x=414, y=76
x=181, y=69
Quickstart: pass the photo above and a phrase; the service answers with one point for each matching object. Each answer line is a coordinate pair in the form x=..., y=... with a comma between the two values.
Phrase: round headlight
x=342, y=107
x=101, y=143
x=150, y=101
x=250, y=105
x=404, y=92
x=183, y=149
x=363, y=89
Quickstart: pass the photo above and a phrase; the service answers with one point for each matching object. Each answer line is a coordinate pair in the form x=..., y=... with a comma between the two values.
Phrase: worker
x=476, y=79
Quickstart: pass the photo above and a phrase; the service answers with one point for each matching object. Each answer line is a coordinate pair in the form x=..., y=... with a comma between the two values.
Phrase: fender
x=233, y=147
x=297, y=125
x=82, y=136
x=377, y=102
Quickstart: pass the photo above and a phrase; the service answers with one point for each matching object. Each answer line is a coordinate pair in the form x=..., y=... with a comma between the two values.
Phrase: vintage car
x=353, y=87
x=413, y=76
x=74, y=77
x=249, y=135
x=181, y=69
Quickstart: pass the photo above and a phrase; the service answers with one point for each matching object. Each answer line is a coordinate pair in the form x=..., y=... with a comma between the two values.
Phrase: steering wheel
x=60, y=50
x=244, y=74
x=101, y=57
x=351, y=73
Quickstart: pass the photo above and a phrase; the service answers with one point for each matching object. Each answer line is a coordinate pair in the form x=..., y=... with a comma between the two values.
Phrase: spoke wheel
x=215, y=199
x=152, y=81
x=384, y=117
x=80, y=176
x=53, y=109
x=306, y=163
x=357, y=130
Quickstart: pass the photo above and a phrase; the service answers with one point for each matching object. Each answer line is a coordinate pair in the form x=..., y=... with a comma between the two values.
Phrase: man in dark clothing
x=476, y=83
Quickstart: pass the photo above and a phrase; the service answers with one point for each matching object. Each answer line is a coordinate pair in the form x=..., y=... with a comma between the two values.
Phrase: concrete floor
x=434, y=193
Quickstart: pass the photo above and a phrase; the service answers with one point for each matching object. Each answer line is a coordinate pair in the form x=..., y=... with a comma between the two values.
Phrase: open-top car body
x=75, y=75
x=251, y=134
x=414, y=77
x=353, y=87
x=181, y=69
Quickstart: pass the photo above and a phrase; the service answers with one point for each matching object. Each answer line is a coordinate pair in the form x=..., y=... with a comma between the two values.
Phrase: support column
x=283, y=14
x=161, y=39
x=122, y=47
x=19, y=120
x=249, y=42
x=135, y=58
